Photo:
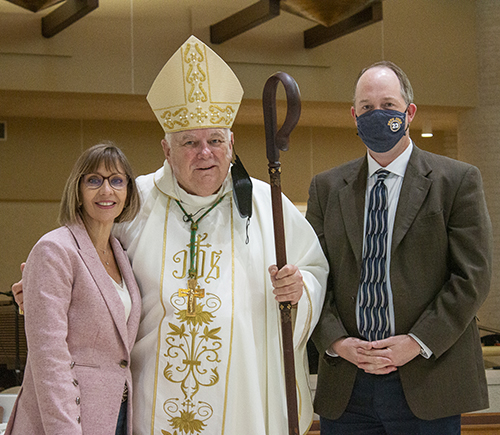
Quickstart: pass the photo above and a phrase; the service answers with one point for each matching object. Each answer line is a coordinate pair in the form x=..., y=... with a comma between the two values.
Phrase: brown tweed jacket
x=440, y=275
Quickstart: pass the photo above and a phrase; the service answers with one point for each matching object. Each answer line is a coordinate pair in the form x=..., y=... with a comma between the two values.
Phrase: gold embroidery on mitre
x=195, y=89
x=171, y=119
x=196, y=75
x=222, y=115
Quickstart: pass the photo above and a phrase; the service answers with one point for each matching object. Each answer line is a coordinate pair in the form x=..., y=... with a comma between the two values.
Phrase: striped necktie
x=373, y=299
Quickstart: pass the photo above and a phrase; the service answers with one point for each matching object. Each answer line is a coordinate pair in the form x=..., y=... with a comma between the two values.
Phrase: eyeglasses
x=95, y=181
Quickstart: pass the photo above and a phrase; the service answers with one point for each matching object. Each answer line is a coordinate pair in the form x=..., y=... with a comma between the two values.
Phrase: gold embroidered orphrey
x=194, y=347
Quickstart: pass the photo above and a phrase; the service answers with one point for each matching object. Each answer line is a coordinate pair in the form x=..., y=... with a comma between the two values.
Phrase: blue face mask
x=381, y=130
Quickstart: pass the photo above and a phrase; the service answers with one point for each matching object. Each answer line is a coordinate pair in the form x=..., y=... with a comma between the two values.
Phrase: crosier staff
x=276, y=141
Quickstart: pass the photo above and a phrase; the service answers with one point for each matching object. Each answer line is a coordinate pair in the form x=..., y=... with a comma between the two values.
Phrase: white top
x=124, y=296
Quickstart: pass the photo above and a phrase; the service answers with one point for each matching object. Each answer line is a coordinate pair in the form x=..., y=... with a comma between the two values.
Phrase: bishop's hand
x=287, y=282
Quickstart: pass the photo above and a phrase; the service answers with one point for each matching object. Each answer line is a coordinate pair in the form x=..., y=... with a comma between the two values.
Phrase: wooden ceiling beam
x=34, y=5
x=319, y=35
x=65, y=15
x=244, y=20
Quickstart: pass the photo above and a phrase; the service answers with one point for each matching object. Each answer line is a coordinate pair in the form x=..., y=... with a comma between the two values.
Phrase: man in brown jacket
x=399, y=347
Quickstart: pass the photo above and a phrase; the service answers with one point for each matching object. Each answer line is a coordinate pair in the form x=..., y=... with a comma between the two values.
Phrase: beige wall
x=39, y=154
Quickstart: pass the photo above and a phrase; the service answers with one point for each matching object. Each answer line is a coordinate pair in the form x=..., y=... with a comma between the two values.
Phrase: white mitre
x=195, y=89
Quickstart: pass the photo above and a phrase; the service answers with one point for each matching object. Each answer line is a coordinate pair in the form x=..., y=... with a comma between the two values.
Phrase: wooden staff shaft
x=285, y=307
x=275, y=141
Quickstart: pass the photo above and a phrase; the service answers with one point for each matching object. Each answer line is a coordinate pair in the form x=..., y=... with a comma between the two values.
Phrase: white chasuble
x=207, y=360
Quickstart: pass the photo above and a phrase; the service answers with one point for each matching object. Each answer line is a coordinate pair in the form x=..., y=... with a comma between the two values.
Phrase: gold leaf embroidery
x=191, y=355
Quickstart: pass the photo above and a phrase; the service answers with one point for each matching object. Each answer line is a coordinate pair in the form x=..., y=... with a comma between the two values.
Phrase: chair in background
x=7, y=403
x=13, y=348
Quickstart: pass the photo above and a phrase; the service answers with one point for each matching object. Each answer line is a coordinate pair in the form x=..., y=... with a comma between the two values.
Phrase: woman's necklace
x=105, y=256
x=193, y=291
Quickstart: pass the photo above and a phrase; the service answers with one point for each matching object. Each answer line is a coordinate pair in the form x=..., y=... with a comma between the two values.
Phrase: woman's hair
x=88, y=163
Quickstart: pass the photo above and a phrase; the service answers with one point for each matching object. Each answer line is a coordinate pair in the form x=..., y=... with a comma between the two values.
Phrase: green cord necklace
x=193, y=291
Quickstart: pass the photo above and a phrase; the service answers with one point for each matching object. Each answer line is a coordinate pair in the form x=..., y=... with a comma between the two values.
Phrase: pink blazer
x=79, y=342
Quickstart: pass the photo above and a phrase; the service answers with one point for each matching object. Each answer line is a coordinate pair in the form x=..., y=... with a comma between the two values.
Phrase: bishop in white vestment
x=221, y=371
x=208, y=357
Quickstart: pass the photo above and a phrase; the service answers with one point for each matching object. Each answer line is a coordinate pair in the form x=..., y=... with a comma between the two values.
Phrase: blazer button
x=75, y=382
x=77, y=400
x=78, y=419
x=72, y=364
x=123, y=364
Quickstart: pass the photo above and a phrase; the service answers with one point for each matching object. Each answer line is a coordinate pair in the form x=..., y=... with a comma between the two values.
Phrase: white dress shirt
x=393, y=182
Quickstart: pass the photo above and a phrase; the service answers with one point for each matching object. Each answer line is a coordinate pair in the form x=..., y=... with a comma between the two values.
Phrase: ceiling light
x=427, y=129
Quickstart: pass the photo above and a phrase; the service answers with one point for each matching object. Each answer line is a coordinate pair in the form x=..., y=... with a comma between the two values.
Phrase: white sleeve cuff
x=424, y=350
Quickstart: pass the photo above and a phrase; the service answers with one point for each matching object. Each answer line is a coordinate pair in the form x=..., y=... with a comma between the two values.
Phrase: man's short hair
x=406, y=89
x=168, y=135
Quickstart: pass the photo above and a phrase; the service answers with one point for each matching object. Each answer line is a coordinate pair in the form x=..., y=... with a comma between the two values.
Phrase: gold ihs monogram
x=201, y=254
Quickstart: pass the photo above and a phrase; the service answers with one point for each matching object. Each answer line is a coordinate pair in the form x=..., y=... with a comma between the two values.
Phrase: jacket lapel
x=416, y=185
x=102, y=279
x=352, y=205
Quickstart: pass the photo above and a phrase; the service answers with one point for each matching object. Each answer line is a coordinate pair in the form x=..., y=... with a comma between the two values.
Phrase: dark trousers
x=378, y=407
x=121, y=424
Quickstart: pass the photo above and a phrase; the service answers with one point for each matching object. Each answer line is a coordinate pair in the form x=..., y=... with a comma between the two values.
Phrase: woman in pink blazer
x=82, y=309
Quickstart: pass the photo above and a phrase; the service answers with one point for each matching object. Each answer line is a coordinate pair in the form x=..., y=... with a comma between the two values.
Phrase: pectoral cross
x=192, y=292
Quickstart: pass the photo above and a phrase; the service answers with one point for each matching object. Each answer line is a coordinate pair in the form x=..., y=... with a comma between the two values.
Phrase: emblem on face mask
x=395, y=124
